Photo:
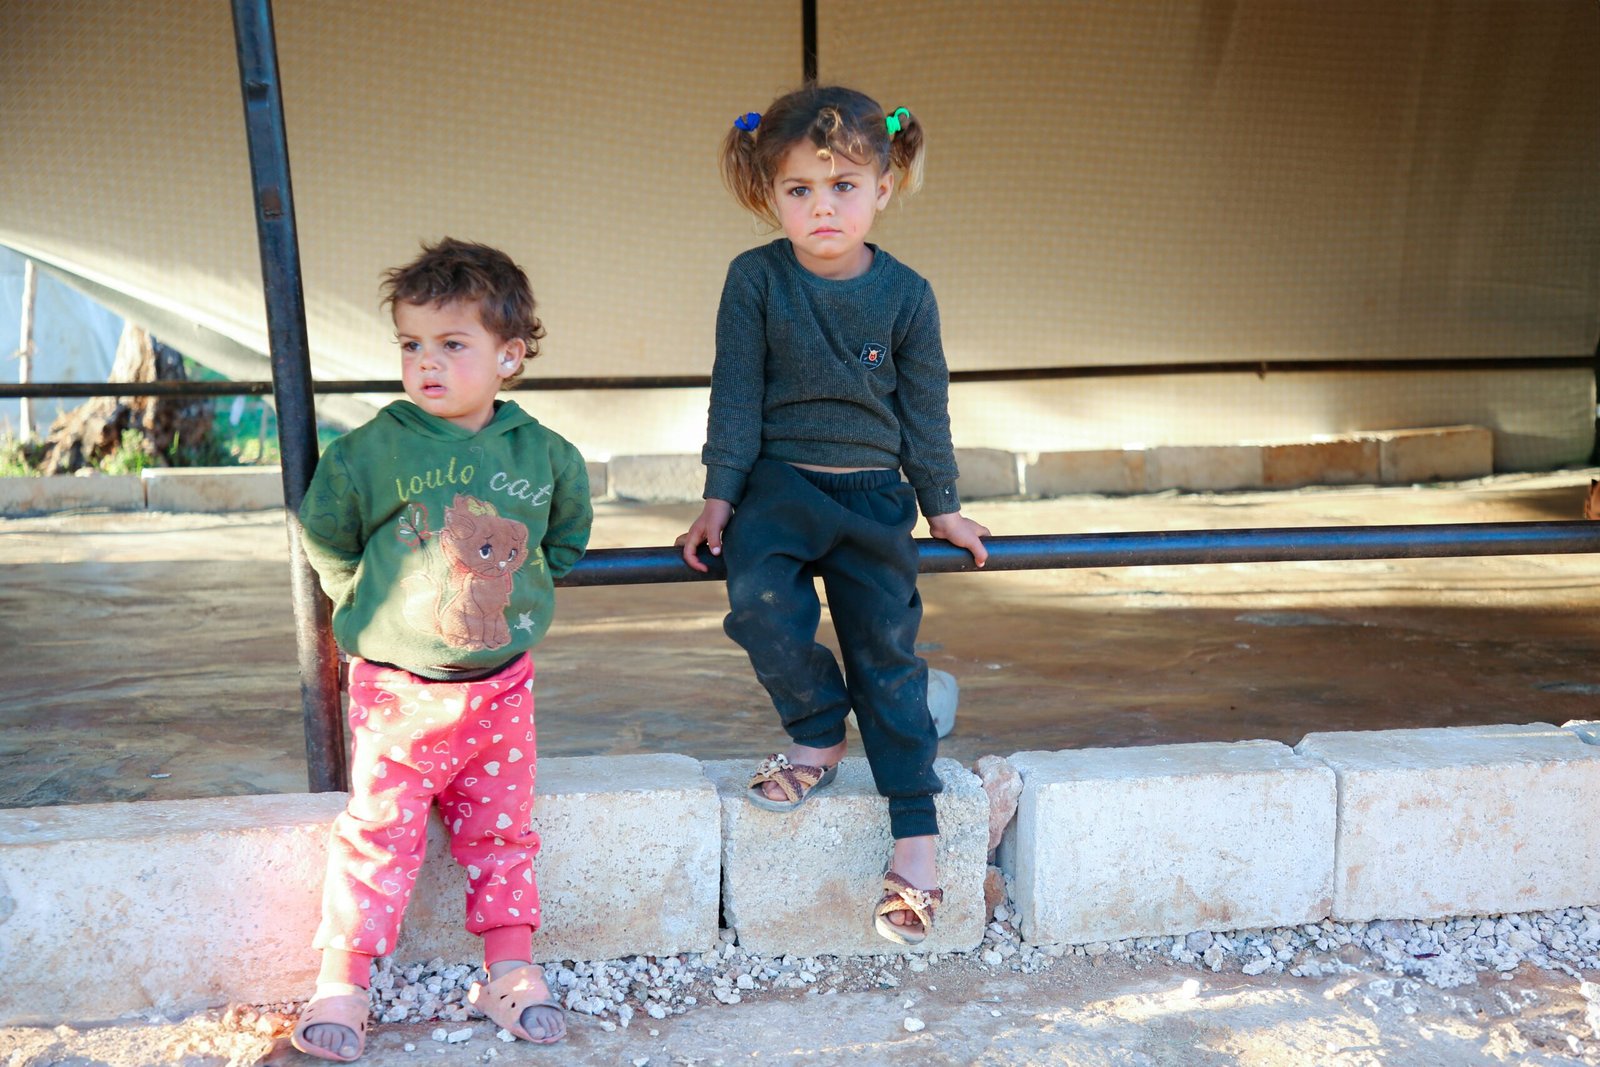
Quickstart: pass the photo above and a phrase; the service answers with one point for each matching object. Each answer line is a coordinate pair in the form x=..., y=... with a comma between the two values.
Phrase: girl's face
x=450, y=363
x=827, y=207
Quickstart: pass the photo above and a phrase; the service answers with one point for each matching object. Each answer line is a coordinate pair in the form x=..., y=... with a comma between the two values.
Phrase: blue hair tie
x=748, y=121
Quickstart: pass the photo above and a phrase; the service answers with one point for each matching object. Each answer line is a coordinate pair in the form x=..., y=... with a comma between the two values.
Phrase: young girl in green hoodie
x=437, y=530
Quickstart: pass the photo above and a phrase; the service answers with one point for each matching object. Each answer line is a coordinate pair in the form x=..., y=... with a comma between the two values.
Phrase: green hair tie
x=893, y=119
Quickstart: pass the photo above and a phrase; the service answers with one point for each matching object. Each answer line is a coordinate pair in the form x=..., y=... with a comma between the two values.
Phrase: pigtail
x=907, y=150
x=742, y=174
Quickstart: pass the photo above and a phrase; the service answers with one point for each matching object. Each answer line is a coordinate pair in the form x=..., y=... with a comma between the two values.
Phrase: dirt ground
x=151, y=657
x=1108, y=1012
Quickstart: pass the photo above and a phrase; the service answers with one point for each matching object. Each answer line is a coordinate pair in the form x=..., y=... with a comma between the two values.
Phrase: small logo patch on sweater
x=873, y=355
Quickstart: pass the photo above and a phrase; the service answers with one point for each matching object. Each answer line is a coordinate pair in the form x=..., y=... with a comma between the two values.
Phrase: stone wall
x=1393, y=457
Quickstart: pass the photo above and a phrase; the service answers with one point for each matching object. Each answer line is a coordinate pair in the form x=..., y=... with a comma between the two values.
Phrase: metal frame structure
x=292, y=387
x=1259, y=368
x=1294, y=544
x=326, y=762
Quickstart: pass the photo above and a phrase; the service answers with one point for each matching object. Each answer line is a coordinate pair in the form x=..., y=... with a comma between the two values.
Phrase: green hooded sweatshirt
x=439, y=547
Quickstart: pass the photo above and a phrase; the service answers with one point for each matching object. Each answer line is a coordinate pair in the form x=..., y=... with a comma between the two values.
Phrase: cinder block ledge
x=1473, y=820
x=804, y=882
x=212, y=488
x=173, y=905
x=178, y=905
x=1377, y=457
x=1138, y=842
x=64, y=492
x=628, y=865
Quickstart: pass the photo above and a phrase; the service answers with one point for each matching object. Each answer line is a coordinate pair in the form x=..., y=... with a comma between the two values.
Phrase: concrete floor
x=151, y=656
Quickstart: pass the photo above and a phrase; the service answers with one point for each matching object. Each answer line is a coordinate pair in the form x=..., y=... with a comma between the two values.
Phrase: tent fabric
x=74, y=340
x=1169, y=181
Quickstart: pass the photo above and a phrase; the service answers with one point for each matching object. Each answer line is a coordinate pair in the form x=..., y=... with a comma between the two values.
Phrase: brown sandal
x=901, y=895
x=348, y=1010
x=797, y=780
x=507, y=997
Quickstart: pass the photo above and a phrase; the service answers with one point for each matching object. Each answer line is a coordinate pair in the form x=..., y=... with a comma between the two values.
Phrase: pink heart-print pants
x=470, y=745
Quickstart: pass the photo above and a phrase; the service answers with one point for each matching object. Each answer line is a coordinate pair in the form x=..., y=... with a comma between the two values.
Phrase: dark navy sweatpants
x=853, y=531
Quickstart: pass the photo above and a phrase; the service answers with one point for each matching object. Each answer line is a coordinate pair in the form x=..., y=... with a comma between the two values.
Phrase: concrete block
x=1462, y=821
x=805, y=882
x=1114, y=470
x=986, y=472
x=176, y=905
x=598, y=487
x=1203, y=467
x=1586, y=730
x=1332, y=461
x=171, y=905
x=628, y=860
x=657, y=479
x=63, y=492
x=213, y=488
x=1440, y=453
x=1139, y=842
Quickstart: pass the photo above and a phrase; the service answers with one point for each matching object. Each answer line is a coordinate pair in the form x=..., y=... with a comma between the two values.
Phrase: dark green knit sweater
x=832, y=373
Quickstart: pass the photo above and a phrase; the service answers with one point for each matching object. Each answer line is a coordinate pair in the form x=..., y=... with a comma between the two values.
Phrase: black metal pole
x=326, y=767
x=635, y=566
x=808, y=41
x=1594, y=455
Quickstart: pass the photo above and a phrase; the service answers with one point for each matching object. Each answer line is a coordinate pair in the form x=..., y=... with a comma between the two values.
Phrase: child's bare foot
x=914, y=860
x=543, y=1023
x=808, y=757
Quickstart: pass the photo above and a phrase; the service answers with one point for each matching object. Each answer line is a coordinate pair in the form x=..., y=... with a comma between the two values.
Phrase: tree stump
x=86, y=435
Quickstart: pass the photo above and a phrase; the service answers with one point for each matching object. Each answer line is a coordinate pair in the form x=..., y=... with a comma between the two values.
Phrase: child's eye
x=409, y=346
x=453, y=345
x=843, y=187
x=798, y=191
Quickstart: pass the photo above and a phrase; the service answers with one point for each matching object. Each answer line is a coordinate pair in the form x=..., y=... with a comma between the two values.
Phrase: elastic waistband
x=855, y=481
x=371, y=671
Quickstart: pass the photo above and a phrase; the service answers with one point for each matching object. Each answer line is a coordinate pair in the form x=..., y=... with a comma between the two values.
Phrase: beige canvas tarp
x=1167, y=181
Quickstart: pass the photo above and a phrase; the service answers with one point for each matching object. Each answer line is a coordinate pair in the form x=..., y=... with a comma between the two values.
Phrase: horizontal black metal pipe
x=38, y=390
x=1262, y=368
x=636, y=566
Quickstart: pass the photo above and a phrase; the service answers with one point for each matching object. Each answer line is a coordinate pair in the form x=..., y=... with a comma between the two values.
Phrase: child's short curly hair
x=461, y=270
x=832, y=118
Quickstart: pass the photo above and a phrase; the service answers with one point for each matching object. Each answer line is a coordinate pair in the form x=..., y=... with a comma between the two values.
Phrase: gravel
x=1445, y=953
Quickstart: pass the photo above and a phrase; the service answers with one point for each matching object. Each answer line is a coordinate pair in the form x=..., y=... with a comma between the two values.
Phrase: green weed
x=131, y=455
x=16, y=460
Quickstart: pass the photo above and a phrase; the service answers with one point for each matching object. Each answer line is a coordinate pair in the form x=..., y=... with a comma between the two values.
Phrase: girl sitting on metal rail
x=829, y=381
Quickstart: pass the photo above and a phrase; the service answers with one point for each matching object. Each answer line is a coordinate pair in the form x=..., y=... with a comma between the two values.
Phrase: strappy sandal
x=507, y=997
x=901, y=895
x=348, y=1010
x=797, y=780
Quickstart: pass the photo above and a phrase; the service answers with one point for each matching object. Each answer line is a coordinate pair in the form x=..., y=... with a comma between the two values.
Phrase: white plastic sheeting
x=74, y=340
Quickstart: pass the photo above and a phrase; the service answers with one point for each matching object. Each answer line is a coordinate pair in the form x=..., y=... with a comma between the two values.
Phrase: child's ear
x=511, y=356
x=885, y=188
